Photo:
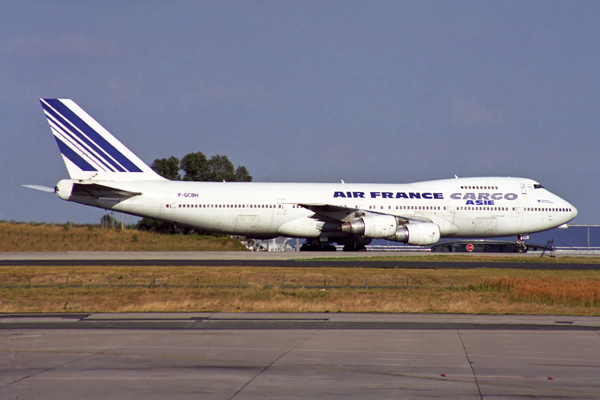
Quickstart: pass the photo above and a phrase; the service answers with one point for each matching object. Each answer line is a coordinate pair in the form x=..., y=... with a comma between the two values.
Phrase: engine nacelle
x=418, y=234
x=372, y=226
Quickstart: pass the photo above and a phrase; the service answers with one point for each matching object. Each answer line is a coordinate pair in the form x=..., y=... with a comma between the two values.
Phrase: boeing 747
x=106, y=174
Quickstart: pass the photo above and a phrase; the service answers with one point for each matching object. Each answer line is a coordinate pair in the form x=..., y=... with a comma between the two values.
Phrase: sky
x=312, y=91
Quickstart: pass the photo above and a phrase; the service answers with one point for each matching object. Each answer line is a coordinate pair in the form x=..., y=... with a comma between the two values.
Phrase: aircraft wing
x=328, y=212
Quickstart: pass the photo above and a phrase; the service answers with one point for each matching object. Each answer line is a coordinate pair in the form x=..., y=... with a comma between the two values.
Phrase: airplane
x=106, y=174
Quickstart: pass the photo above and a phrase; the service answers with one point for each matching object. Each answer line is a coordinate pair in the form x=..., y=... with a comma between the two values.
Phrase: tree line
x=193, y=167
x=196, y=167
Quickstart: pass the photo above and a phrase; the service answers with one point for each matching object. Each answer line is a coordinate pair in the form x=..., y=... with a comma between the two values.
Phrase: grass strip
x=22, y=237
x=157, y=289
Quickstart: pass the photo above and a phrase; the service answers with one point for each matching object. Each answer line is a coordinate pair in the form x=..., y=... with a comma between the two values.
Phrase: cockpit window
x=537, y=186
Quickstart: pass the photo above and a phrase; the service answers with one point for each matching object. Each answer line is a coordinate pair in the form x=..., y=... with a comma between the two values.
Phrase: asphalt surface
x=293, y=356
x=286, y=321
x=290, y=259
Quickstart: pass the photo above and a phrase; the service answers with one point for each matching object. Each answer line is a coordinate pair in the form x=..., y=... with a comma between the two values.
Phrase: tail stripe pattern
x=74, y=157
x=96, y=148
x=73, y=139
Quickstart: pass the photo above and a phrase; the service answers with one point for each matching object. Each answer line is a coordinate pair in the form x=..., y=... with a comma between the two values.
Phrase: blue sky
x=365, y=91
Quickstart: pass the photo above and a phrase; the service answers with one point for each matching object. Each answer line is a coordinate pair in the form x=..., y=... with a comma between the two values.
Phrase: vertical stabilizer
x=89, y=150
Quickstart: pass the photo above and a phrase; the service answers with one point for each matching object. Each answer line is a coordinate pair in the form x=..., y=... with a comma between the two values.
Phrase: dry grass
x=21, y=237
x=473, y=290
x=578, y=292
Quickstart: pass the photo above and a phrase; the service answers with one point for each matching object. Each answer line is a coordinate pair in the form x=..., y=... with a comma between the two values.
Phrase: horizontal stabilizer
x=97, y=191
x=40, y=187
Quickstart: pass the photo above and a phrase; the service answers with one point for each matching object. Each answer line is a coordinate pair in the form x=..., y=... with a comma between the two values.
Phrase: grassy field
x=22, y=237
x=162, y=289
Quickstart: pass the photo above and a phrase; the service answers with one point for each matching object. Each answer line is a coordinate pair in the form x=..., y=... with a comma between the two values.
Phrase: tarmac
x=278, y=259
x=300, y=355
x=195, y=255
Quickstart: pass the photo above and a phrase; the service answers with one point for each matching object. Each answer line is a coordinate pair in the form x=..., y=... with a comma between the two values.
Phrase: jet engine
x=372, y=226
x=387, y=227
x=420, y=234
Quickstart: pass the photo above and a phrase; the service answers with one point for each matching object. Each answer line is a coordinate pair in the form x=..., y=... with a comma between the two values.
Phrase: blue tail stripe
x=74, y=134
x=69, y=136
x=92, y=134
x=74, y=157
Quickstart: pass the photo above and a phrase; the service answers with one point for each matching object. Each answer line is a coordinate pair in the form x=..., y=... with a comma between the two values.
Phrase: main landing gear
x=349, y=245
x=520, y=245
x=360, y=247
x=317, y=246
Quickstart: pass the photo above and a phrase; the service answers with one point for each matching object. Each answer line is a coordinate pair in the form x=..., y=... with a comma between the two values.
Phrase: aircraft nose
x=574, y=211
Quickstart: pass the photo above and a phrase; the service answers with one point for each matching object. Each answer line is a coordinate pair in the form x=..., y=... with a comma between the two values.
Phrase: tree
x=221, y=169
x=195, y=167
x=242, y=174
x=167, y=168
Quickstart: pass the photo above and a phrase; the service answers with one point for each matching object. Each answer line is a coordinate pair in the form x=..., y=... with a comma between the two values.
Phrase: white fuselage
x=463, y=207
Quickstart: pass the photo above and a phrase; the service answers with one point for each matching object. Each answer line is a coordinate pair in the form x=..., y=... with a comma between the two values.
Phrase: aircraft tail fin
x=90, y=151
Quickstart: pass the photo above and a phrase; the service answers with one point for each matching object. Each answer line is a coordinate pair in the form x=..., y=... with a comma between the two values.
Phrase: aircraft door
x=523, y=188
x=281, y=207
x=516, y=212
x=167, y=206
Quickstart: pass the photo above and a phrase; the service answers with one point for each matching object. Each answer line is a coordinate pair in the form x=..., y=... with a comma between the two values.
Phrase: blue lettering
x=374, y=195
x=415, y=195
x=339, y=194
x=358, y=195
x=387, y=195
x=427, y=195
x=439, y=196
x=470, y=203
x=401, y=195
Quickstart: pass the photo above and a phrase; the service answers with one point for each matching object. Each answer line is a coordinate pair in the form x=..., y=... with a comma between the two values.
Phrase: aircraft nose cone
x=574, y=212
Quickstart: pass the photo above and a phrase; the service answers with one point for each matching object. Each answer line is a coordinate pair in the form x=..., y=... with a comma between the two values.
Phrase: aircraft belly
x=246, y=224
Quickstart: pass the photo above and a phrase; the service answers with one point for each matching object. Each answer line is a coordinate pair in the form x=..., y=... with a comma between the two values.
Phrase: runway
x=257, y=356
x=265, y=259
